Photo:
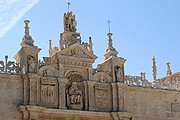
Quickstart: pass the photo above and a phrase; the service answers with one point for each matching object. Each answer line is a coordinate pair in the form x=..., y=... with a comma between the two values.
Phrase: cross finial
x=109, y=22
x=68, y=5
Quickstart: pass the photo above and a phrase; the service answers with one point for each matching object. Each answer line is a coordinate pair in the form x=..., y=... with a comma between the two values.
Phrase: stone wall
x=11, y=95
x=151, y=104
x=142, y=103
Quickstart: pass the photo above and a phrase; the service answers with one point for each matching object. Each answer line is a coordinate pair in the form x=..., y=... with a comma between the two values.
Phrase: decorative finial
x=90, y=44
x=110, y=51
x=154, y=69
x=168, y=69
x=27, y=36
x=109, y=27
x=26, y=27
x=50, y=47
x=27, y=39
x=68, y=5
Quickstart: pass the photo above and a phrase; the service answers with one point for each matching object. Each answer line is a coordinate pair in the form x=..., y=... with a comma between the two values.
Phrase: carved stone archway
x=75, y=92
x=75, y=71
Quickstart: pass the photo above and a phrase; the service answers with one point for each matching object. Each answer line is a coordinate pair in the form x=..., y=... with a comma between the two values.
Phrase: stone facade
x=65, y=86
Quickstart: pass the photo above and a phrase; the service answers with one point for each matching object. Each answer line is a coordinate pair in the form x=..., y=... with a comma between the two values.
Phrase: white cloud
x=11, y=11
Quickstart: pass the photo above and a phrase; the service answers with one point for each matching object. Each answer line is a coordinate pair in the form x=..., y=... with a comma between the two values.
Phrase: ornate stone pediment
x=77, y=51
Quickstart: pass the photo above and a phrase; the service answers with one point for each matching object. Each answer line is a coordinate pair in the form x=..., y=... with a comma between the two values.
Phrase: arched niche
x=75, y=72
x=75, y=90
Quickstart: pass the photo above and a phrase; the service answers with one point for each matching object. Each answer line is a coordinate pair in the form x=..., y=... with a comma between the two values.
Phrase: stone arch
x=77, y=77
x=48, y=71
x=75, y=71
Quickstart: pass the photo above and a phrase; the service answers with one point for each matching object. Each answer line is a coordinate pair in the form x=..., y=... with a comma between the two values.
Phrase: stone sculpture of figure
x=31, y=64
x=69, y=22
x=75, y=94
x=154, y=69
x=143, y=75
x=168, y=69
x=119, y=74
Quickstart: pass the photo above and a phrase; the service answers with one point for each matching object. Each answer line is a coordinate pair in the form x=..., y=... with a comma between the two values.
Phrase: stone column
x=90, y=73
x=86, y=95
x=61, y=70
x=91, y=95
x=26, y=89
x=113, y=74
x=114, y=96
x=33, y=78
x=121, y=90
x=62, y=92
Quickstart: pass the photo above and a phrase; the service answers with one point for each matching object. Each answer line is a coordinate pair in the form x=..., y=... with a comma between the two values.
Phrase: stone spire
x=27, y=40
x=168, y=69
x=110, y=51
x=154, y=68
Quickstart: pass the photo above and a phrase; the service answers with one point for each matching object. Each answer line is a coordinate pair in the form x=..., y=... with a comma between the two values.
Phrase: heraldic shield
x=48, y=93
x=103, y=97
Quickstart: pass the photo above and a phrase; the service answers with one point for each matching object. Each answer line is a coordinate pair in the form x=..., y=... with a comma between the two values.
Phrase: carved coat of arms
x=102, y=96
x=48, y=93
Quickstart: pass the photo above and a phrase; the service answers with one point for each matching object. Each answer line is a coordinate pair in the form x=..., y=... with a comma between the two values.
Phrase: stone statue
x=168, y=69
x=31, y=64
x=75, y=94
x=69, y=22
x=119, y=74
x=143, y=76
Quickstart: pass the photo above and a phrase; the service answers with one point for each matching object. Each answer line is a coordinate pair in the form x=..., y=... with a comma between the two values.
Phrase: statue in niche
x=119, y=74
x=75, y=94
x=31, y=64
x=69, y=22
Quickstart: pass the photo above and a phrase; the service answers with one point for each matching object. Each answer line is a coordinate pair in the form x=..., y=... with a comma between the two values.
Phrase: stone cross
x=68, y=5
x=26, y=27
x=109, y=27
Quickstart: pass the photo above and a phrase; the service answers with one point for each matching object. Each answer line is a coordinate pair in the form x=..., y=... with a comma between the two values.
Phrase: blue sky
x=141, y=29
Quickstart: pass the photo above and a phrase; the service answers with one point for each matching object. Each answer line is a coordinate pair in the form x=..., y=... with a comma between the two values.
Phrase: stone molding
x=42, y=113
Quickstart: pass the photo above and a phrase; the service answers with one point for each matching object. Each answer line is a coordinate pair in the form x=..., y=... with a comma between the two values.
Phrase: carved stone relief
x=75, y=91
x=49, y=92
x=103, y=96
x=75, y=94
